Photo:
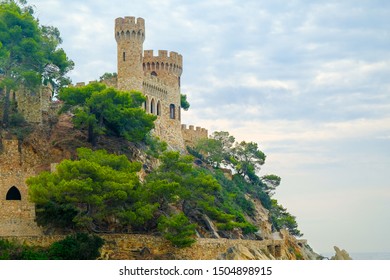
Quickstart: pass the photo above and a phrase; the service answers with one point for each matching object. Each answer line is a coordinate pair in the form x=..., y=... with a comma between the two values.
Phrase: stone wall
x=164, y=101
x=34, y=106
x=137, y=246
x=17, y=214
x=191, y=136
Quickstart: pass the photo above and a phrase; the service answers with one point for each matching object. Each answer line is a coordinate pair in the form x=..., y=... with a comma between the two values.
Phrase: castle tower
x=130, y=35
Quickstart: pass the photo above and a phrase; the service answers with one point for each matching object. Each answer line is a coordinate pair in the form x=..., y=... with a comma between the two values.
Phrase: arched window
x=154, y=73
x=152, y=107
x=159, y=108
x=172, y=111
x=13, y=194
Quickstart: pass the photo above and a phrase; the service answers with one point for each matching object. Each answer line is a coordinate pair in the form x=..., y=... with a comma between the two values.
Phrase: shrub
x=80, y=246
x=178, y=230
x=12, y=251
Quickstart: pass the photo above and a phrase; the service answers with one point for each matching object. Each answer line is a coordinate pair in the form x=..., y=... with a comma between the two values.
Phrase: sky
x=306, y=80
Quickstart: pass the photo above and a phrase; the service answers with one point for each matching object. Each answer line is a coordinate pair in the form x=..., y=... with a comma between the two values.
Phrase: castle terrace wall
x=132, y=246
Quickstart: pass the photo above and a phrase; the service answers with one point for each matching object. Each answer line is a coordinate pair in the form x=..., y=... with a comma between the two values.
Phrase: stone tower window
x=153, y=74
x=13, y=194
x=152, y=107
x=159, y=108
x=124, y=56
x=172, y=111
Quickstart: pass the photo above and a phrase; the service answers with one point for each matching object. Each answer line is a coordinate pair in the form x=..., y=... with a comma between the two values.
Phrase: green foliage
x=155, y=146
x=217, y=149
x=107, y=76
x=178, y=181
x=94, y=192
x=12, y=251
x=196, y=191
x=103, y=110
x=281, y=219
x=18, y=125
x=80, y=246
x=29, y=53
x=177, y=229
x=245, y=159
x=271, y=181
x=184, y=104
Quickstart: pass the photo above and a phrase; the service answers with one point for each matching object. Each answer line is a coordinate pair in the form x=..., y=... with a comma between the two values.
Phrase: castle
x=157, y=77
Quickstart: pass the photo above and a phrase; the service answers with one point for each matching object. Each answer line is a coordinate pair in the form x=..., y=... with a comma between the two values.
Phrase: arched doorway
x=13, y=194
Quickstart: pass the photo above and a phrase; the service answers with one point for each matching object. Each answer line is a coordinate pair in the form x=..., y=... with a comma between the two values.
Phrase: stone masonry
x=17, y=214
x=138, y=246
x=191, y=136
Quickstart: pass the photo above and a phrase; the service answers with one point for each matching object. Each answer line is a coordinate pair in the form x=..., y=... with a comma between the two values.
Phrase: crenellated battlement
x=192, y=128
x=82, y=84
x=192, y=135
x=162, y=62
x=130, y=28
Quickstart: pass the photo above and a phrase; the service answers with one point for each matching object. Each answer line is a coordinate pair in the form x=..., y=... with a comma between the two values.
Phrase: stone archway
x=13, y=194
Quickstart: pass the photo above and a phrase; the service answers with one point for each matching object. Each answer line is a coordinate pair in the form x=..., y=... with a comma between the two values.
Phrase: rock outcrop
x=340, y=254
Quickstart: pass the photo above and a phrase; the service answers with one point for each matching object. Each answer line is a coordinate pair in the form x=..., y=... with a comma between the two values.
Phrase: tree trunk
x=6, y=108
x=91, y=135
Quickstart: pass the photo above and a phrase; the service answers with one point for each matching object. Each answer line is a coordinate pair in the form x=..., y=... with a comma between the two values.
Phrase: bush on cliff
x=79, y=246
x=102, y=110
x=178, y=230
